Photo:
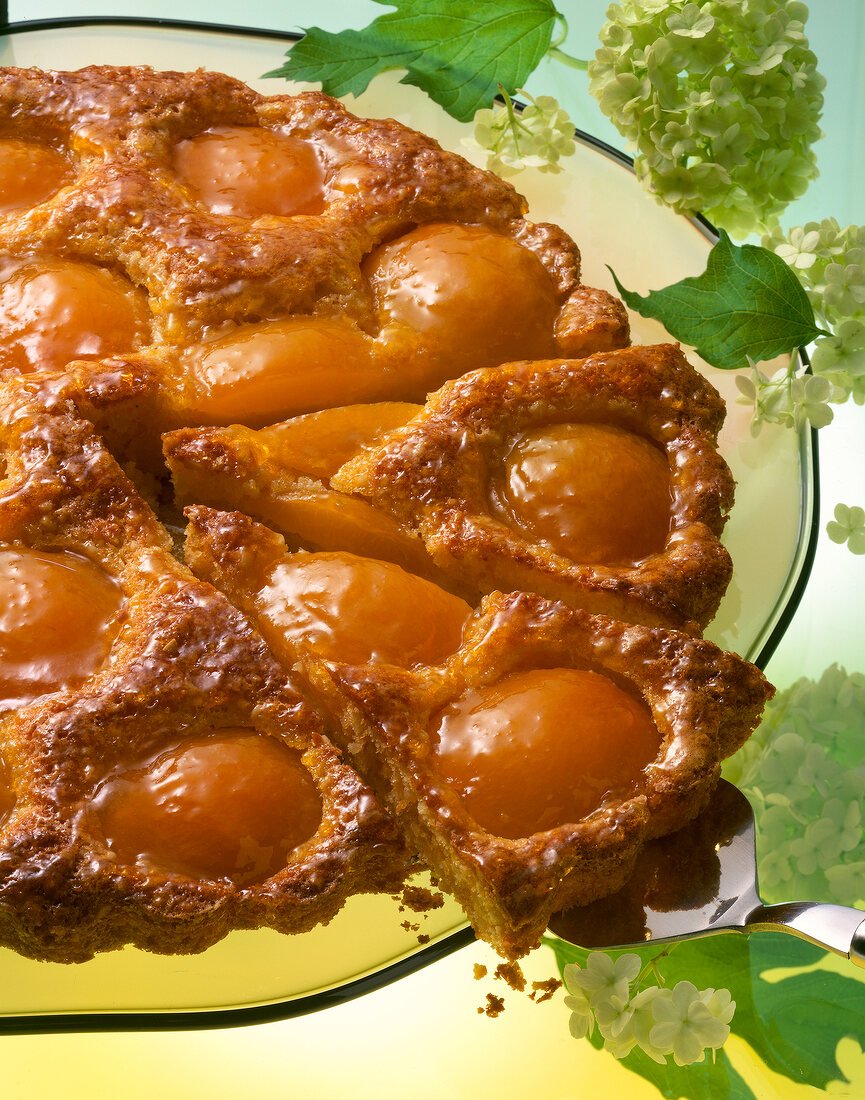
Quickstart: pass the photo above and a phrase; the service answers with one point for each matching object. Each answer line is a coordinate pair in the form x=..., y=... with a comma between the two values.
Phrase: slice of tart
x=163, y=780
x=532, y=762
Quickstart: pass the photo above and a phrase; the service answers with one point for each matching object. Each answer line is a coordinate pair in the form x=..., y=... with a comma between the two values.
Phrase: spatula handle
x=835, y=927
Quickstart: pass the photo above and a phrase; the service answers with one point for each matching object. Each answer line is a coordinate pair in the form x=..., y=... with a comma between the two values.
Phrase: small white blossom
x=800, y=250
x=603, y=978
x=537, y=136
x=582, y=1019
x=683, y=1021
x=809, y=396
x=688, y=1025
x=848, y=526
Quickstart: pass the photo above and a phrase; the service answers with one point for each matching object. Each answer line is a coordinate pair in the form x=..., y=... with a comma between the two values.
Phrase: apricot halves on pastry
x=281, y=475
x=171, y=783
x=531, y=764
x=330, y=606
x=234, y=210
x=454, y=752
x=594, y=481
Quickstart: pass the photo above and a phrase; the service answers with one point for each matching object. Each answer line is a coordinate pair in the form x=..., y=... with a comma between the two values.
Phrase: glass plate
x=261, y=975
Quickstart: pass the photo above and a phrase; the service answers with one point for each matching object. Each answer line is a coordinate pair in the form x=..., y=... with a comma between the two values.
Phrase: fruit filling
x=543, y=748
x=54, y=311
x=475, y=298
x=319, y=443
x=59, y=614
x=593, y=492
x=29, y=174
x=229, y=804
x=248, y=172
x=357, y=610
x=269, y=371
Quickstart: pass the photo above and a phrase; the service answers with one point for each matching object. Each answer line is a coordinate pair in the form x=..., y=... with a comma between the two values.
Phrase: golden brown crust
x=435, y=476
x=184, y=661
x=704, y=702
x=125, y=209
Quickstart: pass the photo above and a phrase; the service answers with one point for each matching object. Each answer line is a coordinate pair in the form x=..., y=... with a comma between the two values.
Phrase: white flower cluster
x=786, y=397
x=682, y=1021
x=804, y=774
x=537, y=135
x=830, y=264
x=719, y=100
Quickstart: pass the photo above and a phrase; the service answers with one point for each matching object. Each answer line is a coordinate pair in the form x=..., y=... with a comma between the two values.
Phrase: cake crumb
x=423, y=938
x=480, y=971
x=420, y=900
x=511, y=973
x=408, y=926
x=494, y=1007
x=543, y=991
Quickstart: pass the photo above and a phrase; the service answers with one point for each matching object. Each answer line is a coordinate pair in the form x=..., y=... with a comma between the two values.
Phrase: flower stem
x=652, y=965
x=560, y=55
x=566, y=59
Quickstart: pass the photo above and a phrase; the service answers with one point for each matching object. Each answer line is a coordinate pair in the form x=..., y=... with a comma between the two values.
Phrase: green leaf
x=458, y=54
x=747, y=303
x=793, y=1024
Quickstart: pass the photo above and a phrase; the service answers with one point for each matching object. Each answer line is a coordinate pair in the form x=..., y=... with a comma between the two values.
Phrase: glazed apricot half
x=59, y=614
x=468, y=297
x=544, y=747
x=53, y=311
x=595, y=493
x=249, y=171
x=355, y=609
x=262, y=373
x=227, y=804
x=338, y=606
x=30, y=173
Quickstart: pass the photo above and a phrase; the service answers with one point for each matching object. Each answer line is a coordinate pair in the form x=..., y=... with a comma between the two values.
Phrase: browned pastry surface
x=208, y=280
x=425, y=490
x=281, y=475
x=703, y=702
x=440, y=477
x=184, y=663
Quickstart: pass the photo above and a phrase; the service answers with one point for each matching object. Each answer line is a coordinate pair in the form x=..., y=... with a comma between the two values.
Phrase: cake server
x=701, y=881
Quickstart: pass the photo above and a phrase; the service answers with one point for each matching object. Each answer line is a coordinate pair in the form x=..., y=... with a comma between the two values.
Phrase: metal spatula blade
x=701, y=881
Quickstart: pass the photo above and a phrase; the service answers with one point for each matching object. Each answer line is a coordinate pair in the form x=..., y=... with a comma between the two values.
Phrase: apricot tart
x=533, y=762
x=334, y=327
x=595, y=481
x=163, y=779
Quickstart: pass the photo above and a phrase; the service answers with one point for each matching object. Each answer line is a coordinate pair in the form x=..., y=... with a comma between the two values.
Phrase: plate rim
x=767, y=641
